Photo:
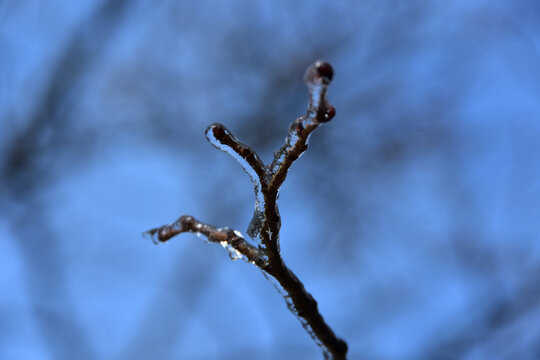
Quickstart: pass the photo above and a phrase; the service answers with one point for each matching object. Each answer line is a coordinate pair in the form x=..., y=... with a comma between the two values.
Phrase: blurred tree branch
x=28, y=156
x=28, y=165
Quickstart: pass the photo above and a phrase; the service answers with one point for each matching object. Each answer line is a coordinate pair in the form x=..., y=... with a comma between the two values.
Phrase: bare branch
x=317, y=79
x=266, y=222
x=220, y=137
x=232, y=240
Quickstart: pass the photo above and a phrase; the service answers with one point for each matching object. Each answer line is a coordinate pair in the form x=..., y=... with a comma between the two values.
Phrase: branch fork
x=266, y=222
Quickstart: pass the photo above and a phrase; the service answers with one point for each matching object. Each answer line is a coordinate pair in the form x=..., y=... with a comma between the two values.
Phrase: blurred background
x=413, y=218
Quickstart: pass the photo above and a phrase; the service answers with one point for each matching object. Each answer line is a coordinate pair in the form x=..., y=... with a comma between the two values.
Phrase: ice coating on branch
x=317, y=78
x=152, y=236
x=233, y=253
x=292, y=308
x=221, y=138
x=291, y=141
x=164, y=233
x=255, y=225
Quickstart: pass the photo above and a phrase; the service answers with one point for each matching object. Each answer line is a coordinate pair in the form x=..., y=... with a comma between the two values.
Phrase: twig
x=266, y=223
x=230, y=239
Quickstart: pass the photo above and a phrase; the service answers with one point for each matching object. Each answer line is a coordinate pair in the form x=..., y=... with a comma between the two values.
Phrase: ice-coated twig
x=221, y=138
x=266, y=223
x=317, y=79
x=230, y=239
x=318, y=76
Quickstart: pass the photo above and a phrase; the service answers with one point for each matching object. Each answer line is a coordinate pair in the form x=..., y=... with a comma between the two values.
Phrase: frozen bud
x=319, y=71
x=329, y=113
x=217, y=130
x=324, y=70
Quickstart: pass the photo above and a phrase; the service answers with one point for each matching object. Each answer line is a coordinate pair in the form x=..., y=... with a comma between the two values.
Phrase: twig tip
x=320, y=70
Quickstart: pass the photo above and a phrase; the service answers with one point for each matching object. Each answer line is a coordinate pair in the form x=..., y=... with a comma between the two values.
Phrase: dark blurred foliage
x=412, y=218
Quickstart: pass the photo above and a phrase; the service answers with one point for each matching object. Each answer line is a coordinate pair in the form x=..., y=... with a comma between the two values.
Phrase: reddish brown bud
x=324, y=70
x=329, y=113
x=218, y=131
x=320, y=70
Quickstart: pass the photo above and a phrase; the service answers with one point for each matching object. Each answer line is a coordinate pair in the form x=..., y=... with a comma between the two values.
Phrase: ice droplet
x=233, y=253
x=152, y=236
x=254, y=228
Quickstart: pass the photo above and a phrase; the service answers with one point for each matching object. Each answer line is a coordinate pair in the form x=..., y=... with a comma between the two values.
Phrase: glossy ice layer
x=233, y=253
x=290, y=304
x=221, y=144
